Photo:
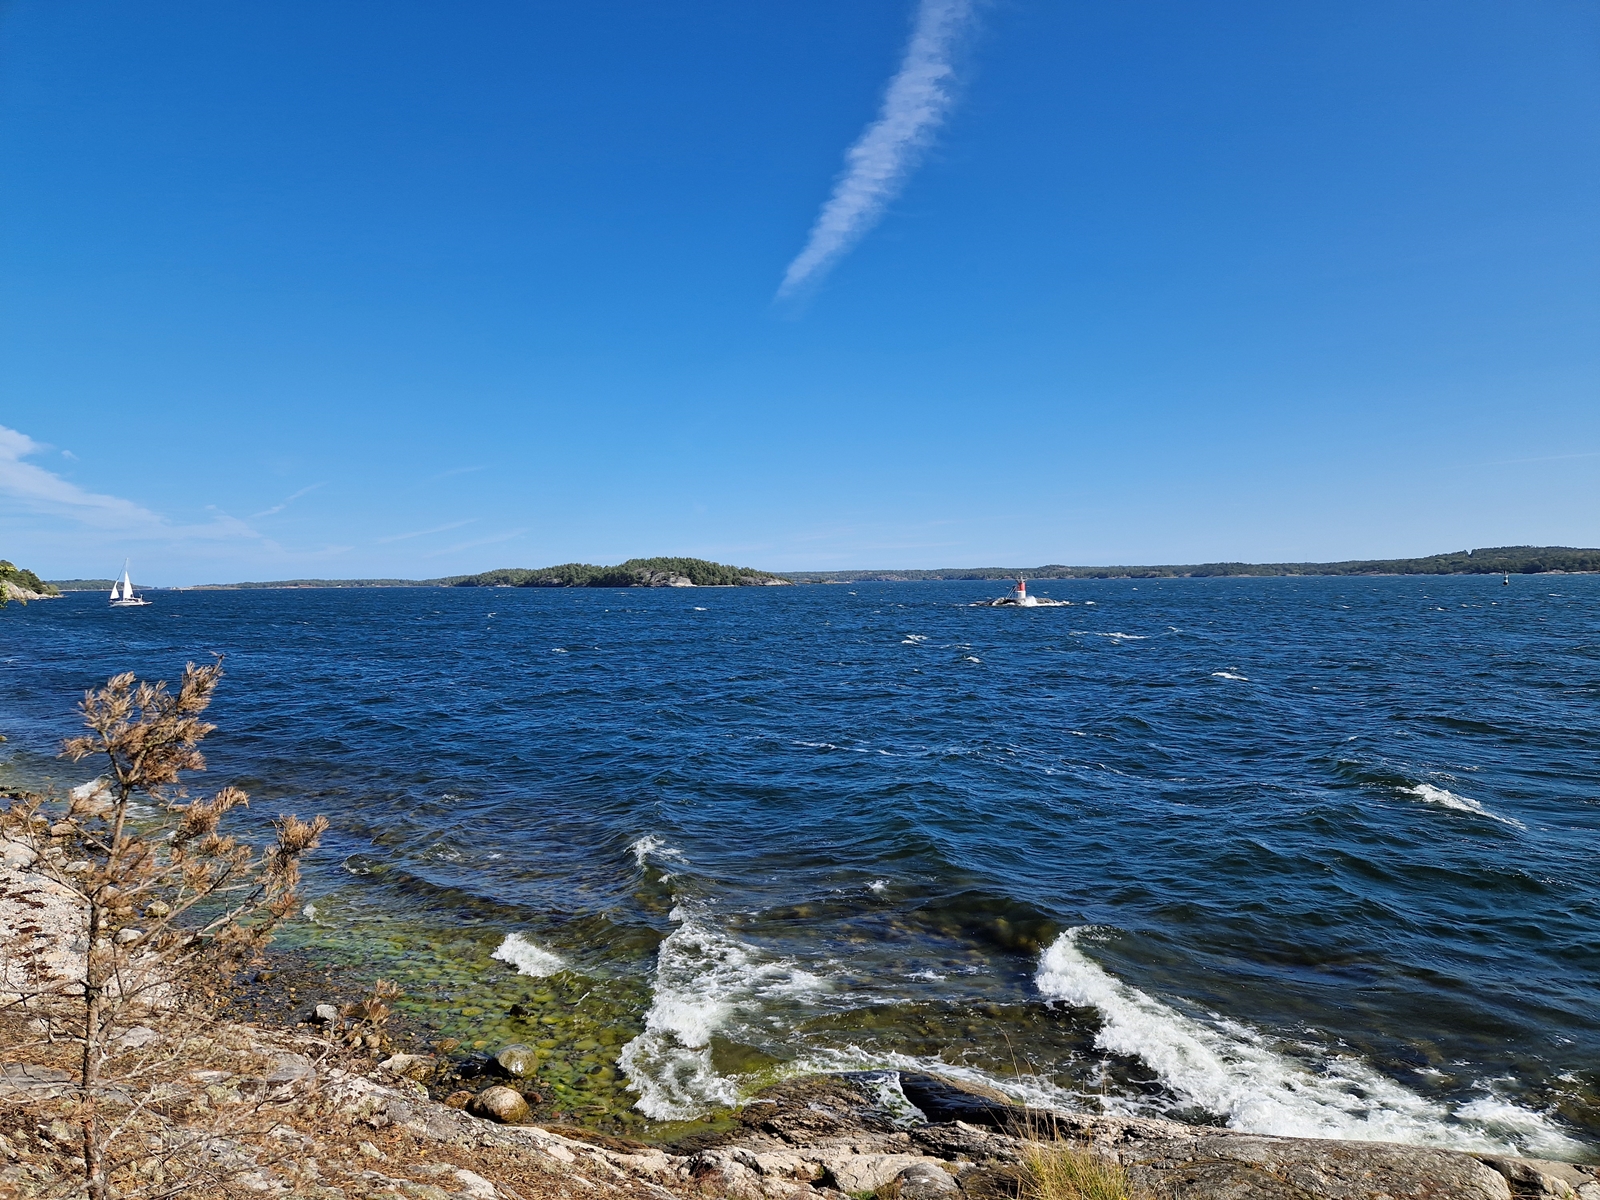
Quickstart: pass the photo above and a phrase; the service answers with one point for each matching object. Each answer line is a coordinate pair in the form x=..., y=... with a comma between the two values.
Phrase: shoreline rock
x=818, y=1137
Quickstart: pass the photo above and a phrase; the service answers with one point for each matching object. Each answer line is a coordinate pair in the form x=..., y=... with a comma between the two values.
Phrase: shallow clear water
x=1297, y=855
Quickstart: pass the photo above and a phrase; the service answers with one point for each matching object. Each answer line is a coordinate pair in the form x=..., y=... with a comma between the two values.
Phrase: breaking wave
x=1229, y=1069
x=1429, y=794
x=704, y=981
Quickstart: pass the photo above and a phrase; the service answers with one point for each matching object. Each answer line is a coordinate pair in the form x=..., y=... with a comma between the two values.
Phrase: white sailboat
x=122, y=595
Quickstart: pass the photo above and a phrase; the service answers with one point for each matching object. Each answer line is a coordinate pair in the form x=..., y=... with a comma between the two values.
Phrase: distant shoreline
x=1500, y=560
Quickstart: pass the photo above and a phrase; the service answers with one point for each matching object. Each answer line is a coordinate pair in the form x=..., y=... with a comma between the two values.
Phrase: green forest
x=22, y=579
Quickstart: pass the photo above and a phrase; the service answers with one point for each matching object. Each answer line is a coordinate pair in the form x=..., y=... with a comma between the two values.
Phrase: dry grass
x=1063, y=1170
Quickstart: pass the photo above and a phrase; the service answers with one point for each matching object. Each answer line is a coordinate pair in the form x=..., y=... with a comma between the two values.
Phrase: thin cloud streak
x=416, y=533
x=877, y=165
x=488, y=541
x=278, y=508
x=455, y=471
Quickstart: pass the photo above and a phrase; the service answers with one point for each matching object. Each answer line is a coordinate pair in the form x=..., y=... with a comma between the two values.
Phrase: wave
x=1429, y=794
x=1228, y=675
x=649, y=844
x=527, y=958
x=704, y=980
x=1229, y=1069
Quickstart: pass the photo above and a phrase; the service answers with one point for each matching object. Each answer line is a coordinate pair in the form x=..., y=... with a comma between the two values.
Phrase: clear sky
x=411, y=289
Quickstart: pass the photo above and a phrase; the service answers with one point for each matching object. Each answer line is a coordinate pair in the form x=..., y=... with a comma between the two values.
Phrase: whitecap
x=309, y=912
x=972, y=658
x=650, y=844
x=557, y=650
x=914, y=639
x=704, y=979
x=528, y=958
x=929, y=976
x=1231, y=1070
x=697, y=608
x=878, y=886
x=1228, y=675
x=1429, y=794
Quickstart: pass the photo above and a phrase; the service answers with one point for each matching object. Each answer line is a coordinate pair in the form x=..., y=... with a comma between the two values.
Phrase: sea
x=1305, y=856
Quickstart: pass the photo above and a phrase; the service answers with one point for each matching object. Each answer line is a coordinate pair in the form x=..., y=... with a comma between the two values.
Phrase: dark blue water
x=1297, y=855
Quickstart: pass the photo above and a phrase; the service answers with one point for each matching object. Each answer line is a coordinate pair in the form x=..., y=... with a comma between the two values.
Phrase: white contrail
x=916, y=101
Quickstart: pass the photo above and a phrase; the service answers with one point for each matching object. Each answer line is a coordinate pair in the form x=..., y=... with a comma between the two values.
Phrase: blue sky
x=413, y=289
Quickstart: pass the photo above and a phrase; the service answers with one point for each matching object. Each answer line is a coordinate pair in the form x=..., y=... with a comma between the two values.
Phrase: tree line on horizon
x=636, y=572
x=1494, y=560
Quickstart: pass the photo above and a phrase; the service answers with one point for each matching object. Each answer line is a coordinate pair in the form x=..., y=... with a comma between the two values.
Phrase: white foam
x=649, y=845
x=704, y=979
x=309, y=912
x=93, y=790
x=1429, y=794
x=557, y=650
x=1228, y=675
x=972, y=658
x=527, y=958
x=1229, y=1069
x=697, y=608
x=878, y=886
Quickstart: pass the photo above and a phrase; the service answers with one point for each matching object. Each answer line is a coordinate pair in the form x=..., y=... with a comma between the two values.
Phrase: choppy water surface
x=1307, y=856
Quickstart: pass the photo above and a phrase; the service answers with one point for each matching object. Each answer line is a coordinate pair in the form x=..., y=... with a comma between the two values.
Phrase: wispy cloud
x=416, y=533
x=46, y=491
x=1507, y=462
x=278, y=508
x=877, y=165
x=487, y=541
x=454, y=471
x=42, y=491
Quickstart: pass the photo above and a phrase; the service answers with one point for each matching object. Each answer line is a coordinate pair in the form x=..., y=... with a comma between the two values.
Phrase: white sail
x=115, y=595
x=127, y=585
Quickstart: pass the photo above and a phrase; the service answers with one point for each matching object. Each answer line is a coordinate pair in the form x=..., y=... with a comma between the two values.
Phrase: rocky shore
x=297, y=1112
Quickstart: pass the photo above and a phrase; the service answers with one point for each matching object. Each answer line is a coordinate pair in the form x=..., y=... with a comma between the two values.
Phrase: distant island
x=698, y=572
x=636, y=572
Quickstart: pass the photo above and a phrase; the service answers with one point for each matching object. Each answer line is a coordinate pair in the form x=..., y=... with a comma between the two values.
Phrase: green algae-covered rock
x=517, y=1060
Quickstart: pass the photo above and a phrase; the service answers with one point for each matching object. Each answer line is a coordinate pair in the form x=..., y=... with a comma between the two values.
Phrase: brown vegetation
x=170, y=905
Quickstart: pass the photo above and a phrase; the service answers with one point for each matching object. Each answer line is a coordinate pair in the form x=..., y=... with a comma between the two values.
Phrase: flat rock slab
x=1241, y=1167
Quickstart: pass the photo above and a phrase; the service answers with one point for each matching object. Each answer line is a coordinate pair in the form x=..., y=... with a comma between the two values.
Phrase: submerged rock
x=517, y=1060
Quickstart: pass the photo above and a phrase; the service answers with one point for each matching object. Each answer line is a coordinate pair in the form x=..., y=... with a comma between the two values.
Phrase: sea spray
x=1229, y=1069
x=528, y=958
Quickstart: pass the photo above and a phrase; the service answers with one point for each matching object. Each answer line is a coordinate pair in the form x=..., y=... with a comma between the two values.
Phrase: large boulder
x=499, y=1104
